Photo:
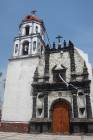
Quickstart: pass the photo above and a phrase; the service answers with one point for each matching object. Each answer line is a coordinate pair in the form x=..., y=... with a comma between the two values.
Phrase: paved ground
x=19, y=136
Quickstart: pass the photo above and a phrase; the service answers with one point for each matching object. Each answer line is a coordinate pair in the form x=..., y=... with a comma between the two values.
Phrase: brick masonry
x=14, y=127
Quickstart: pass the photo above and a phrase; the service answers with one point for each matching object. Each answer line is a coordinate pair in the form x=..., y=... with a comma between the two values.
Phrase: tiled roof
x=32, y=18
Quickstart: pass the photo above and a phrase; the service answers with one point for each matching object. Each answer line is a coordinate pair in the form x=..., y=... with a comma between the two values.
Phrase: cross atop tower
x=33, y=12
x=59, y=38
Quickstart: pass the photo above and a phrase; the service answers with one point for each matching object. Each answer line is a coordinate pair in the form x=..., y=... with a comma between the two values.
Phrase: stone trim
x=41, y=127
x=60, y=100
x=85, y=71
x=75, y=107
x=57, y=50
x=83, y=120
x=72, y=63
x=24, y=57
x=34, y=103
x=82, y=125
x=88, y=100
x=34, y=107
x=77, y=126
x=87, y=88
x=88, y=106
x=59, y=86
x=45, y=105
x=72, y=59
x=35, y=78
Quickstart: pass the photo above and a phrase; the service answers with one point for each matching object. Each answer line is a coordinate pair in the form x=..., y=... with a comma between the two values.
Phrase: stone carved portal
x=61, y=118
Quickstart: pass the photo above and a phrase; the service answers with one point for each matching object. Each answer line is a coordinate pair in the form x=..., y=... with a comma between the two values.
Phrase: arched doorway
x=61, y=117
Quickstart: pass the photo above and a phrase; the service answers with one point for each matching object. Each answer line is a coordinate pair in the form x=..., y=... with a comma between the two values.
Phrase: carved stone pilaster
x=88, y=101
x=85, y=72
x=88, y=106
x=34, y=107
x=36, y=75
x=75, y=107
x=46, y=105
x=72, y=62
x=87, y=88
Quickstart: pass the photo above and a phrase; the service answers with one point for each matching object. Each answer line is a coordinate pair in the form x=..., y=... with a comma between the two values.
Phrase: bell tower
x=30, y=41
x=28, y=49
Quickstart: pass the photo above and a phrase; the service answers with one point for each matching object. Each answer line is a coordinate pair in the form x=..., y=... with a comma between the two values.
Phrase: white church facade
x=48, y=89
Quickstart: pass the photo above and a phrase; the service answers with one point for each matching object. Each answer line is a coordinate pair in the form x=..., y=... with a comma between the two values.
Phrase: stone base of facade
x=82, y=126
x=77, y=126
x=40, y=126
x=14, y=127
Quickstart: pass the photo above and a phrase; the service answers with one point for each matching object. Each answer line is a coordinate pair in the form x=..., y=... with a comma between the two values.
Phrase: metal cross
x=33, y=12
x=59, y=38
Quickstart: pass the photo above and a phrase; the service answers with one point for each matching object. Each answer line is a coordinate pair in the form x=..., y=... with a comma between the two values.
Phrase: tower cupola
x=30, y=41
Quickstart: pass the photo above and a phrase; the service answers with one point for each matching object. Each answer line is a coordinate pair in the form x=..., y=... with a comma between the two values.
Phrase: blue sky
x=73, y=19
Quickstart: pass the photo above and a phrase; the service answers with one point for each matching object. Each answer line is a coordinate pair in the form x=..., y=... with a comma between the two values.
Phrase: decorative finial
x=59, y=38
x=54, y=45
x=64, y=43
x=33, y=12
x=70, y=43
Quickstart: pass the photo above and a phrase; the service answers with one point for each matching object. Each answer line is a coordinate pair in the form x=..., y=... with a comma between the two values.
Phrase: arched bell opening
x=25, y=48
x=27, y=30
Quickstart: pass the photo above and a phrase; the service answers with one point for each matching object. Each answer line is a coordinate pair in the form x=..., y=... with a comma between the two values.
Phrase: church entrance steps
x=20, y=136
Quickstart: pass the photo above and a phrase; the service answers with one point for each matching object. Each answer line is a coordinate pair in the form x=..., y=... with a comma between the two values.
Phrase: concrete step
x=20, y=136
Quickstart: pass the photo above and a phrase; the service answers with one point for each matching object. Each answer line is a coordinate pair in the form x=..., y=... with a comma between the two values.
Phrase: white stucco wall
x=18, y=95
x=41, y=67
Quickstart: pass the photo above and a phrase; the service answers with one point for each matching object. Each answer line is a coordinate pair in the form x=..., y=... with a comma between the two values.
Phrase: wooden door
x=61, y=118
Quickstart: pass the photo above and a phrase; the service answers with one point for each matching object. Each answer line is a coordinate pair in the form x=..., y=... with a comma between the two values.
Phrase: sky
x=73, y=19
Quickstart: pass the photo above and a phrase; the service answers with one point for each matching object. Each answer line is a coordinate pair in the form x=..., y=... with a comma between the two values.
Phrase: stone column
x=75, y=107
x=72, y=61
x=88, y=101
x=88, y=106
x=46, y=105
x=34, y=107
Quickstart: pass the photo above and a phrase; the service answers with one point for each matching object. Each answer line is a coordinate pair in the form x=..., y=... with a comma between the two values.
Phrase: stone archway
x=61, y=116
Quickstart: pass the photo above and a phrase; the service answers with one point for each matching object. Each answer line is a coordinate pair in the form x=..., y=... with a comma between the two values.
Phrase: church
x=48, y=87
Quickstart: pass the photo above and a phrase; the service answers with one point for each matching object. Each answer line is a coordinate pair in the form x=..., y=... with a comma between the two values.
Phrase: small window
x=34, y=45
x=41, y=49
x=80, y=93
x=36, y=29
x=16, y=48
x=27, y=28
x=25, y=48
x=59, y=75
